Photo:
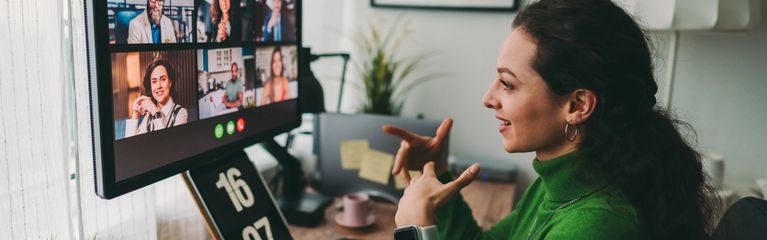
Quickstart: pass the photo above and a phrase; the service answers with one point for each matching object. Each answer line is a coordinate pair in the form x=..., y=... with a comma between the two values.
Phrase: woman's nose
x=488, y=100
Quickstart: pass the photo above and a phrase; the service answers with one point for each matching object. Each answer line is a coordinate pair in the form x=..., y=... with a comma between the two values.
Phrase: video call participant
x=158, y=111
x=277, y=87
x=277, y=25
x=151, y=26
x=575, y=85
x=225, y=23
x=233, y=90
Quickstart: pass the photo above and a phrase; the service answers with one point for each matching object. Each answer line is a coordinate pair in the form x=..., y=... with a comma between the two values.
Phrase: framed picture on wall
x=468, y=5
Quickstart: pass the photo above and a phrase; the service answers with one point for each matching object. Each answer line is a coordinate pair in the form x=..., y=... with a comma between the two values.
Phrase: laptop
x=330, y=129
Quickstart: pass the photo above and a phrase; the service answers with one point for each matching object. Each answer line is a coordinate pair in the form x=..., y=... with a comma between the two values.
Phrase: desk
x=489, y=203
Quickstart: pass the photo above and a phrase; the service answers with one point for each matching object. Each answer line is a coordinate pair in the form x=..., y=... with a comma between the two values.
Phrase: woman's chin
x=509, y=147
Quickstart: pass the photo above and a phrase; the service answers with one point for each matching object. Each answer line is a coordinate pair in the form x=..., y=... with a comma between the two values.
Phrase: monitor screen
x=180, y=83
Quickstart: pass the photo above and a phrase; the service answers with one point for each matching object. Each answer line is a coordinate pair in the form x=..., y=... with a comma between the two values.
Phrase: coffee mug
x=713, y=165
x=356, y=208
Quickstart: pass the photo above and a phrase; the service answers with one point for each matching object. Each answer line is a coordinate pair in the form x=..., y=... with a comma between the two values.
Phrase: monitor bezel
x=102, y=106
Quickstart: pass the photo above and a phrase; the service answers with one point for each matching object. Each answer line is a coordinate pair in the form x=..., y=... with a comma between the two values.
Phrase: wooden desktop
x=489, y=201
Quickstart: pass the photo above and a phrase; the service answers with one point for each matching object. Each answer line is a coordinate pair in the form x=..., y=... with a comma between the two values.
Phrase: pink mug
x=356, y=208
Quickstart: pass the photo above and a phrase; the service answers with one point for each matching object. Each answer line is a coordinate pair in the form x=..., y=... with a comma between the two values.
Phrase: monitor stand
x=234, y=199
x=299, y=207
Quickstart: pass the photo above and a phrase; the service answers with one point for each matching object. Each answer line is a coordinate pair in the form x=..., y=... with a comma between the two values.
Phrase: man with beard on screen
x=151, y=26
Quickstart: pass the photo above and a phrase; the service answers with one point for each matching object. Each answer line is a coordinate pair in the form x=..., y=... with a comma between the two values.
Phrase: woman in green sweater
x=575, y=85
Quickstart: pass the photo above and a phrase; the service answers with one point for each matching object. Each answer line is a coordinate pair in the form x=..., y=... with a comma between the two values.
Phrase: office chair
x=744, y=220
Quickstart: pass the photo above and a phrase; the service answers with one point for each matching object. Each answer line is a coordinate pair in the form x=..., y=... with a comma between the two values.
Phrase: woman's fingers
x=428, y=170
x=400, y=160
x=400, y=133
x=406, y=176
x=444, y=129
x=464, y=180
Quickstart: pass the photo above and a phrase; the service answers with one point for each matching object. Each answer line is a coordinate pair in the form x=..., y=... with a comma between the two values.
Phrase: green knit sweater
x=565, y=202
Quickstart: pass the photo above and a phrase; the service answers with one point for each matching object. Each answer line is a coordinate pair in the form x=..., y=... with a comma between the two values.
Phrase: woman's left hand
x=425, y=194
x=223, y=32
x=149, y=106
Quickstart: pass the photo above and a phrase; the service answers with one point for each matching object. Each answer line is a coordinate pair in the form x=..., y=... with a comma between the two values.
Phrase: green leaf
x=386, y=78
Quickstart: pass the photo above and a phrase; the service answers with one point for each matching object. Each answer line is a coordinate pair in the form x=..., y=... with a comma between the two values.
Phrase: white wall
x=719, y=80
x=721, y=89
x=463, y=48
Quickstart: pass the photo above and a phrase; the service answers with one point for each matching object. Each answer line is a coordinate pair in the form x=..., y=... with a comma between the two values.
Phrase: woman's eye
x=506, y=85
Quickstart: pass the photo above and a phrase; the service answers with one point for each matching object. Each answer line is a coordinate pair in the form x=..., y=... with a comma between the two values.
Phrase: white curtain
x=46, y=161
x=34, y=203
x=45, y=150
x=130, y=216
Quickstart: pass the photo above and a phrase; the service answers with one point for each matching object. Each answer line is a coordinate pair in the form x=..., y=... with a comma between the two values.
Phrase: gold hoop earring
x=567, y=128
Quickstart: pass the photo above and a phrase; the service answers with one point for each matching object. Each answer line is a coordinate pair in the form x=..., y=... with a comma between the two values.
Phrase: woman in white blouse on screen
x=158, y=111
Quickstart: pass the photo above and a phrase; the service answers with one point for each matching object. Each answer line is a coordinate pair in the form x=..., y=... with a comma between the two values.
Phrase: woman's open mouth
x=504, y=124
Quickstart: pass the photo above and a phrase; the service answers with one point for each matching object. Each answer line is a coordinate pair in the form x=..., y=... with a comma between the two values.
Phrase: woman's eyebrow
x=506, y=70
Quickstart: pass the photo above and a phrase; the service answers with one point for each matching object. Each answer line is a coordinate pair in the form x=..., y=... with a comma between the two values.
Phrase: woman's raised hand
x=137, y=109
x=223, y=32
x=416, y=150
x=425, y=194
x=148, y=106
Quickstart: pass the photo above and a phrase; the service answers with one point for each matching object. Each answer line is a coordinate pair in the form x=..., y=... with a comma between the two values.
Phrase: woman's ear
x=581, y=105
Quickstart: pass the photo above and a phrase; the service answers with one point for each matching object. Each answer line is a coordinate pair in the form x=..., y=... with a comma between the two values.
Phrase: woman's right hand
x=143, y=105
x=416, y=150
x=223, y=32
x=138, y=110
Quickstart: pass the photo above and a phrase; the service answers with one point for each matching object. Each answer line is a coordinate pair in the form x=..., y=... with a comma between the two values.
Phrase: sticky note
x=352, y=152
x=376, y=166
x=399, y=182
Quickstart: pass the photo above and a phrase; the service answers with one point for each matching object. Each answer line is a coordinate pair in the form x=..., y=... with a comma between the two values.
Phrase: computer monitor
x=176, y=84
x=331, y=129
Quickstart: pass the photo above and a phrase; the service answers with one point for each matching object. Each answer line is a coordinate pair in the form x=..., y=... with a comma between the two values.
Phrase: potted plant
x=387, y=77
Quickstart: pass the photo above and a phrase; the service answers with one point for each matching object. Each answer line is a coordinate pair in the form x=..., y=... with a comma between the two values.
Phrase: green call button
x=219, y=131
x=230, y=127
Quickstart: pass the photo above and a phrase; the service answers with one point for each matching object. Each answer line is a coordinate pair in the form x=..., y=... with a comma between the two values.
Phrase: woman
x=574, y=85
x=159, y=111
x=225, y=24
x=276, y=88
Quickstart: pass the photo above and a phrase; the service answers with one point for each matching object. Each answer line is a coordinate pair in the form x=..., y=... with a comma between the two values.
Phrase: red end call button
x=240, y=124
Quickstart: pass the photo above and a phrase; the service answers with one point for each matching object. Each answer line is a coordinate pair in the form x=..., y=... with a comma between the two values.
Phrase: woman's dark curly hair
x=596, y=45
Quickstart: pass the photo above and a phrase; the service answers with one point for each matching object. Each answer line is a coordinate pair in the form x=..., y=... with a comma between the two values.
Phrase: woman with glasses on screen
x=575, y=85
x=277, y=87
x=158, y=111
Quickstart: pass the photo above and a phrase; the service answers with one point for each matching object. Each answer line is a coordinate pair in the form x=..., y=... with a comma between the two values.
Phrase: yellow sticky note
x=399, y=182
x=415, y=174
x=352, y=152
x=376, y=166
